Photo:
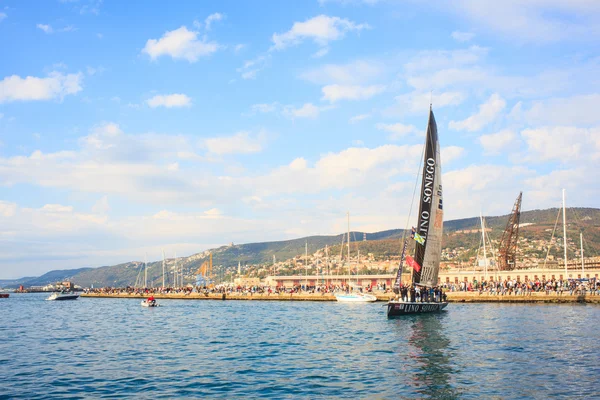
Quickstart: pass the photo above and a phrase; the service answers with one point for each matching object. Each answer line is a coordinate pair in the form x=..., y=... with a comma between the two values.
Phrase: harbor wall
x=453, y=297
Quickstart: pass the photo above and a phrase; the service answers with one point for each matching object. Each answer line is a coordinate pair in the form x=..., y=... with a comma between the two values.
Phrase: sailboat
x=353, y=297
x=427, y=234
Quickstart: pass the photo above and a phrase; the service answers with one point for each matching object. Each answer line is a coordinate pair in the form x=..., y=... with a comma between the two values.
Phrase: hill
x=536, y=227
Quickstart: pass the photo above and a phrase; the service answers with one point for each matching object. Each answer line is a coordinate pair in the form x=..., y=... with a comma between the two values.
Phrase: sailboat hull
x=355, y=298
x=397, y=308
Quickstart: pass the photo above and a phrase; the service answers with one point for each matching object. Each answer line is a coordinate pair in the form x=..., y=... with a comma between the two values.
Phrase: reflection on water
x=430, y=357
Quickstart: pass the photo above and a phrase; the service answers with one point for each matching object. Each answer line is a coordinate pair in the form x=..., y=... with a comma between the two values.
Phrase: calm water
x=97, y=348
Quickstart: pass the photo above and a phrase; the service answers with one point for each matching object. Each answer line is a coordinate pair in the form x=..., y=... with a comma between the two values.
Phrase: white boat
x=146, y=303
x=64, y=295
x=355, y=297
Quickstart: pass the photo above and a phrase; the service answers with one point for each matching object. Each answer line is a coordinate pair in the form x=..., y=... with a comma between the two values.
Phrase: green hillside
x=536, y=227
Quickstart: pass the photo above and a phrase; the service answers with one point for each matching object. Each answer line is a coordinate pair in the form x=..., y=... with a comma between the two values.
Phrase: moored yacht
x=355, y=297
x=64, y=295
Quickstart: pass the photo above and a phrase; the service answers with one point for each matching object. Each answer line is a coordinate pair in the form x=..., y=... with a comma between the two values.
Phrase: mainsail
x=428, y=247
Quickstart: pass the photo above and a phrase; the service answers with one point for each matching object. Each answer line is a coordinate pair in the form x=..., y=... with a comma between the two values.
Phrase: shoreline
x=453, y=297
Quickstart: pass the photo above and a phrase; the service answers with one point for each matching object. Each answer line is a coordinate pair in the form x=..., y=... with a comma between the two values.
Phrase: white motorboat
x=64, y=295
x=355, y=297
x=151, y=303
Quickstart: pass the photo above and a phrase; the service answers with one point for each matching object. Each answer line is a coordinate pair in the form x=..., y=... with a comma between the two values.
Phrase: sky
x=128, y=127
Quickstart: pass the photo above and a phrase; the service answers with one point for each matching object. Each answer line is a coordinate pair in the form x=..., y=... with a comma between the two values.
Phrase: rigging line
x=412, y=202
x=553, y=231
x=490, y=243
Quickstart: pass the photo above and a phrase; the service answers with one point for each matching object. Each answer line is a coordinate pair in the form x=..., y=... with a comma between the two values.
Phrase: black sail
x=430, y=226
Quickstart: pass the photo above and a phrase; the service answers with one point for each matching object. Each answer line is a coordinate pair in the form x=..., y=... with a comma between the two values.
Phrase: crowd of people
x=421, y=294
x=323, y=289
x=405, y=292
x=517, y=287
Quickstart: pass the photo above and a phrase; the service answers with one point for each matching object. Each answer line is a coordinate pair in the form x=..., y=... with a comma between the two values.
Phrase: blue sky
x=131, y=127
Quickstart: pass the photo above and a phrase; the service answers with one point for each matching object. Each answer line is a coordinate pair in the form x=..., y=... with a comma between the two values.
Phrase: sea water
x=114, y=348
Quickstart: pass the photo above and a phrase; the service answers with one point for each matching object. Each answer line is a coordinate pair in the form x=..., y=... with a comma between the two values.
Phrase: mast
x=349, y=273
x=327, y=261
x=581, y=244
x=484, y=252
x=175, y=272
x=306, y=266
x=146, y=271
x=565, y=232
x=163, y=285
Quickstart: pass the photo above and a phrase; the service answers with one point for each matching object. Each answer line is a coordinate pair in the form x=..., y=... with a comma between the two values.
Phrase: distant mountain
x=49, y=277
x=536, y=224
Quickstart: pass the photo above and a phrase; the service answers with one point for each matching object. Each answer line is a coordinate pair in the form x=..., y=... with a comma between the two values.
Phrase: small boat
x=64, y=295
x=152, y=303
x=3, y=295
x=355, y=297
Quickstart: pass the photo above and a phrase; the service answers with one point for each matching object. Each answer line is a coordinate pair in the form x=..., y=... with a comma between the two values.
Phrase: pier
x=453, y=297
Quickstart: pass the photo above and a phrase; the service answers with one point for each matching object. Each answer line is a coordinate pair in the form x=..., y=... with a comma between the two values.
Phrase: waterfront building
x=449, y=276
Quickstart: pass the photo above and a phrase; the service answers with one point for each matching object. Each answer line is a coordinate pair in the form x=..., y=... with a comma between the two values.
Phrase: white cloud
x=451, y=153
x=101, y=206
x=239, y=47
x=495, y=142
x=322, y=29
x=435, y=60
x=211, y=18
x=180, y=44
x=2, y=16
x=533, y=21
x=350, y=168
x=56, y=208
x=488, y=112
x=574, y=110
x=561, y=143
x=352, y=73
x=333, y=93
x=397, y=130
x=240, y=143
x=92, y=7
x=308, y=110
x=264, y=108
x=170, y=101
x=213, y=212
x=462, y=36
x=320, y=53
x=7, y=209
x=56, y=85
x=46, y=28
x=491, y=188
x=547, y=189
x=357, y=118
x=418, y=102
x=252, y=67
